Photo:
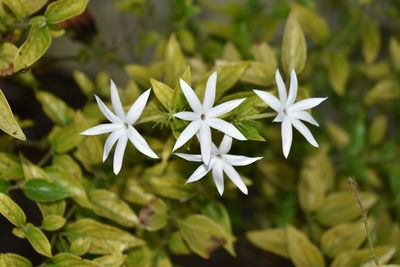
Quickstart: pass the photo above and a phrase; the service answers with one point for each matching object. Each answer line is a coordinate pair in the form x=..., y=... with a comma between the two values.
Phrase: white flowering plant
x=184, y=148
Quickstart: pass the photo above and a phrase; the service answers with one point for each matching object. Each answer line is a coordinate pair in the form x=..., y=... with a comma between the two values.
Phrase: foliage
x=301, y=209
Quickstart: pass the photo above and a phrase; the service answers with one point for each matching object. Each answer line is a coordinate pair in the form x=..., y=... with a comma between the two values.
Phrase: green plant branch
x=364, y=219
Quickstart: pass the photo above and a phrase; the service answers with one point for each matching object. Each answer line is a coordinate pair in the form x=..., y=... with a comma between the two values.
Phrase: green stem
x=45, y=158
x=262, y=116
x=364, y=219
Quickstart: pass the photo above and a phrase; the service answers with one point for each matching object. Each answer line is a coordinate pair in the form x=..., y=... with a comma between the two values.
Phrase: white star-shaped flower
x=121, y=127
x=220, y=162
x=205, y=116
x=289, y=112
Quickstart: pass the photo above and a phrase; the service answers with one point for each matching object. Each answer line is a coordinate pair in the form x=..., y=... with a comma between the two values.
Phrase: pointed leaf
x=61, y=10
x=8, y=124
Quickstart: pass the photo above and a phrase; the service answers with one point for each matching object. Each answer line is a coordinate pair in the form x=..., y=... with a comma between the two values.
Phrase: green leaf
x=362, y=257
x=294, y=47
x=163, y=92
x=89, y=152
x=11, y=210
x=339, y=137
x=104, y=238
x=272, y=240
x=107, y=204
x=202, y=234
x=171, y=185
x=7, y=55
x=17, y=7
x=69, y=260
x=61, y=10
x=37, y=239
x=53, y=222
x=10, y=168
x=11, y=259
x=178, y=99
x=44, y=191
x=341, y=207
x=177, y=245
x=250, y=132
x=263, y=53
x=32, y=6
x=301, y=251
x=4, y=186
x=8, y=124
x=55, y=108
x=33, y=48
x=384, y=90
x=259, y=74
x=113, y=260
x=378, y=129
x=175, y=62
x=394, y=50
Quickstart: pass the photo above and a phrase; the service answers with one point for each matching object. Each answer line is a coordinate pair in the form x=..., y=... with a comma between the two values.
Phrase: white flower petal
x=236, y=160
x=235, y=177
x=137, y=108
x=281, y=88
x=199, y=173
x=304, y=131
x=279, y=117
x=106, y=111
x=187, y=116
x=305, y=116
x=191, y=97
x=226, y=128
x=224, y=108
x=218, y=176
x=225, y=145
x=270, y=100
x=306, y=104
x=190, y=157
x=110, y=141
x=102, y=129
x=292, y=89
x=209, y=94
x=287, y=136
x=188, y=133
x=205, y=143
x=119, y=152
x=116, y=102
x=140, y=143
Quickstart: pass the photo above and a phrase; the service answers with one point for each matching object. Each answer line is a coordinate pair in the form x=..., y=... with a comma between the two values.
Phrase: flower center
x=218, y=156
x=126, y=126
x=285, y=112
x=203, y=117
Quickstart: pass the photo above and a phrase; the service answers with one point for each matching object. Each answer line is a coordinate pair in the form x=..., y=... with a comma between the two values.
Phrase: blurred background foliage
x=62, y=206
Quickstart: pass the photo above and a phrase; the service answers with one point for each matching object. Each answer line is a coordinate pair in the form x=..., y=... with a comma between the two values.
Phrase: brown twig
x=364, y=219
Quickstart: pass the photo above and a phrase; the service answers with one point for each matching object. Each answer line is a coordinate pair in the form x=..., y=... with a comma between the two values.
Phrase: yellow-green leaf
x=10, y=168
x=11, y=210
x=7, y=55
x=53, y=222
x=371, y=41
x=313, y=24
x=378, y=129
x=272, y=240
x=69, y=260
x=84, y=83
x=61, y=10
x=55, y=108
x=383, y=91
x=17, y=7
x=294, y=47
x=175, y=62
x=33, y=48
x=394, y=50
x=341, y=207
x=32, y=6
x=344, y=237
x=259, y=74
x=107, y=204
x=113, y=260
x=265, y=54
x=10, y=260
x=8, y=124
x=202, y=234
x=301, y=251
x=154, y=216
x=177, y=245
x=37, y=239
x=89, y=152
x=163, y=92
x=362, y=257
x=338, y=136
x=339, y=72
x=104, y=239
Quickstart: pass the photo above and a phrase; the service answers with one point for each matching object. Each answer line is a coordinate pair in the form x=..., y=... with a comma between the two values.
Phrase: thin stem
x=262, y=116
x=364, y=219
x=45, y=158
